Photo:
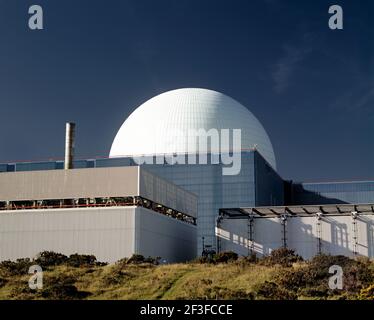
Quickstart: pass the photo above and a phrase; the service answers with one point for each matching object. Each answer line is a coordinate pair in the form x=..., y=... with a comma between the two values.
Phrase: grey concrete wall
x=108, y=233
x=170, y=239
x=337, y=236
x=69, y=184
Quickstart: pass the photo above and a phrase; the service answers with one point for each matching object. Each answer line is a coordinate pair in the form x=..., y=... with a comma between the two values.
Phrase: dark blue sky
x=96, y=61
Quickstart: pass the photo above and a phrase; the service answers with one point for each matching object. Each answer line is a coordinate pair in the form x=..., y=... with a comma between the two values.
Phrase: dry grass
x=233, y=280
x=146, y=281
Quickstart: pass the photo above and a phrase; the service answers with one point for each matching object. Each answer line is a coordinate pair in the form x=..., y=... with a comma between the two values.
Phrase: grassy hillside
x=277, y=277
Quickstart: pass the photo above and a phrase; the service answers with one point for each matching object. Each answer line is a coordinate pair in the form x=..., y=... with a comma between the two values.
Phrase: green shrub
x=47, y=259
x=62, y=292
x=222, y=257
x=325, y=261
x=282, y=256
x=18, y=267
x=61, y=287
x=272, y=291
x=244, y=261
x=225, y=257
x=23, y=292
x=320, y=291
x=151, y=260
x=122, y=261
x=291, y=279
x=312, y=279
x=114, y=277
x=357, y=274
x=50, y=258
x=81, y=260
x=117, y=276
x=136, y=259
x=357, y=277
x=252, y=258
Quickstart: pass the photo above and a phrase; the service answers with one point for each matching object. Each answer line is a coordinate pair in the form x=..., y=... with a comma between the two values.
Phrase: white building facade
x=309, y=230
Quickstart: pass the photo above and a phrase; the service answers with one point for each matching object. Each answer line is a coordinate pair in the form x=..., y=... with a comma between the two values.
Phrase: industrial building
x=158, y=131
x=111, y=213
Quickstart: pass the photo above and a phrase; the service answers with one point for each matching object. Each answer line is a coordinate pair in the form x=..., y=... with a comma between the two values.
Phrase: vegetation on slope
x=281, y=276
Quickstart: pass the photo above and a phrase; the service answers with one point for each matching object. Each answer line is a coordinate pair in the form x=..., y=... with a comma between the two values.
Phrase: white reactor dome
x=160, y=125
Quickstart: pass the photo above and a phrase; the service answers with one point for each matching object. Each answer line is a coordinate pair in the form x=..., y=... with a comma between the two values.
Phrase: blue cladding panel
x=90, y=164
x=35, y=166
x=113, y=162
x=80, y=164
x=59, y=165
x=269, y=185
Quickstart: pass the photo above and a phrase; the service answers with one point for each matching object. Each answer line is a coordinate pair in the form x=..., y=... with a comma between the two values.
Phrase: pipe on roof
x=69, y=145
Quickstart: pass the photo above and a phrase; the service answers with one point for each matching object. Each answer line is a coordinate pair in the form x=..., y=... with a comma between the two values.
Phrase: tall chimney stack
x=69, y=145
